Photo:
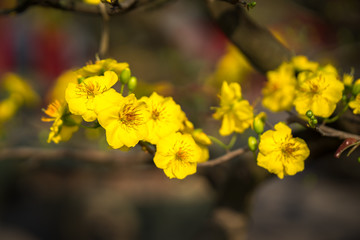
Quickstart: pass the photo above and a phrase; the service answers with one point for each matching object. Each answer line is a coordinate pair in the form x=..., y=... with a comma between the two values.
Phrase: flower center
x=129, y=115
x=90, y=89
x=155, y=114
x=288, y=148
x=181, y=155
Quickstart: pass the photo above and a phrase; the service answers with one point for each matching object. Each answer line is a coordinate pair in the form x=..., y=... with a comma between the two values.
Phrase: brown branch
x=322, y=129
x=261, y=48
x=224, y=158
x=80, y=7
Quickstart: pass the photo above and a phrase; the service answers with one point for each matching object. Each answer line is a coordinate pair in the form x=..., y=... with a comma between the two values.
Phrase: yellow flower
x=177, y=155
x=125, y=122
x=279, y=91
x=202, y=141
x=318, y=92
x=232, y=66
x=102, y=66
x=61, y=130
x=93, y=2
x=82, y=97
x=58, y=90
x=301, y=63
x=236, y=113
x=348, y=79
x=165, y=117
x=280, y=153
x=8, y=108
x=19, y=90
x=355, y=104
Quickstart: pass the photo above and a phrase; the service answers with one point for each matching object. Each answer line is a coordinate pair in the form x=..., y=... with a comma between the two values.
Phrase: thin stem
x=105, y=35
x=335, y=118
x=224, y=158
x=219, y=142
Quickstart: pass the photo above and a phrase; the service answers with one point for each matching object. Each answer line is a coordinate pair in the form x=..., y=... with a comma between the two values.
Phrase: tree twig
x=105, y=34
x=224, y=158
x=322, y=129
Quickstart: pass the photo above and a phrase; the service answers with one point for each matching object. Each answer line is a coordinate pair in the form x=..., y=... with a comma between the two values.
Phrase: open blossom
x=236, y=113
x=279, y=90
x=125, y=122
x=165, y=117
x=177, y=155
x=281, y=153
x=82, y=97
x=318, y=92
x=101, y=66
x=355, y=104
x=60, y=130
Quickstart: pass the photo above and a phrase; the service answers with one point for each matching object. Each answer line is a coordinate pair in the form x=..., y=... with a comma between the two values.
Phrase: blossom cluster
x=91, y=96
x=17, y=93
x=305, y=85
x=279, y=152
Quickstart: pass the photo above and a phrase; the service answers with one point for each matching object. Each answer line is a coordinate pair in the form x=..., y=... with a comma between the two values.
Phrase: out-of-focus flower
x=125, y=122
x=92, y=2
x=8, y=108
x=279, y=91
x=318, y=92
x=82, y=97
x=355, y=104
x=281, y=153
x=19, y=90
x=64, y=124
x=58, y=90
x=301, y=63
x=348, y=79
x=232, y=67
x=177, y=155
x=164, y=117
x=236, y=114
x=101, y=66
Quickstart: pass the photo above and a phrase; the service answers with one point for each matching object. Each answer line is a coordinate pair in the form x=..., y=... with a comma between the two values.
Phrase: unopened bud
x=132, y=84
x=253, y=144
x=259, y=125
x=309, y=114
x=125, y=76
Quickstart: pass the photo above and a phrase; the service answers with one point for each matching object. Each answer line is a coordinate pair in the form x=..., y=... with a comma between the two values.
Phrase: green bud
x=309, y=114
x=359, y=159
x=132, y=84
x=125, y=76
x=253, y=144
x=356, y=89
x=259, y=125
x=314, y=121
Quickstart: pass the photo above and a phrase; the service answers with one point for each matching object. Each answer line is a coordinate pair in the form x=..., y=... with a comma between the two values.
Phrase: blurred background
x=81, y=189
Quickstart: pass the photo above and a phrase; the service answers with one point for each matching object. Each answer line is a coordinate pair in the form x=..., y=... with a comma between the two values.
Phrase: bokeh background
x=81, y=189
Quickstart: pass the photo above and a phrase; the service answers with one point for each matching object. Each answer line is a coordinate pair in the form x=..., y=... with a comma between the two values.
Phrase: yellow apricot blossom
x=165, y=117
x=101, y=66
x=318, y=92
x=58, y=90
x=202, y=141
x=60, y=130
x=177, y=155
x=19, y=90
x=125, y=122
x=232, y=66
x=301, y=63
x=355, y=104
x=8, y=108
x=236, y=113
x=82, y=97
x=280, y=153
x=279, y=90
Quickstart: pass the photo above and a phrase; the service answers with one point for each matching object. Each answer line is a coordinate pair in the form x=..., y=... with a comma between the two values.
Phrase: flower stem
x=223, y=145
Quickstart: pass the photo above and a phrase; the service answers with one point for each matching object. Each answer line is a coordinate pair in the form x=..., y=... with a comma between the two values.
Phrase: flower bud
x=259, y=125
x=356, y=87
x=253, y=144
x=309, y=114
x=125, y=76
x=132, y=84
